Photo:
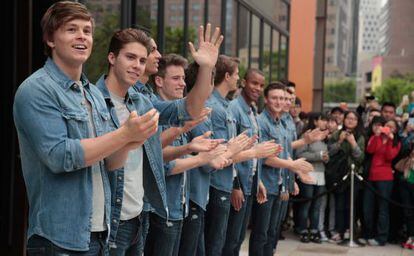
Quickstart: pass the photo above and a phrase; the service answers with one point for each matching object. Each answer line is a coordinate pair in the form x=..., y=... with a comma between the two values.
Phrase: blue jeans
x=192, y=230
x=163, y=237
x=264, y=221
x=128, y=238
x=236, y=227
x=309, y=209
x=39, y=246
x=281, y=214
x=382, y=221
x=217, y=216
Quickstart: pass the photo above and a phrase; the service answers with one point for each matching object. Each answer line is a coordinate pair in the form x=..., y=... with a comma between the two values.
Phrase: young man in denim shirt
x=66, y=141
x=244, y=110
x=264, y=215
x=164, y=239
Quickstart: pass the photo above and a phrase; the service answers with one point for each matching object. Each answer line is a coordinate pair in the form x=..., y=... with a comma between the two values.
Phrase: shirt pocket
x=77, y=123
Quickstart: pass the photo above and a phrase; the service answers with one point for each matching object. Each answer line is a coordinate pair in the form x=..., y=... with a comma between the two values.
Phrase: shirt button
x=75, y=86
x=119, y=177
x=118, y=200
x=114, y=220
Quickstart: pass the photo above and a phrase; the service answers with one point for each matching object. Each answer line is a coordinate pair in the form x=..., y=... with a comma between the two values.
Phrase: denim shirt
x=177, y=185
x=271, y=129
x=290, y=127
x=223, y=124
x=241, y=111
x=51, y=120
x=200, y=177
x=154, y=183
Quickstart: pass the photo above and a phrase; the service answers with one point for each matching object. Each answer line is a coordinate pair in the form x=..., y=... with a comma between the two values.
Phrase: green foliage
x=174, y=39
x=394, y=88
x=340, y=91
x=98, y=63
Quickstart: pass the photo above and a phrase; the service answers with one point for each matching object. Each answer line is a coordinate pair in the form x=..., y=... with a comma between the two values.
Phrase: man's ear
x=242, y=83
x=51, y=44
x=111, y=58
x=159, y=81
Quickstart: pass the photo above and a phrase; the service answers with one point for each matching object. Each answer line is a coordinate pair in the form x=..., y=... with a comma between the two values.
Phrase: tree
x=393, y=88
x=340, y=91
x=97, y=63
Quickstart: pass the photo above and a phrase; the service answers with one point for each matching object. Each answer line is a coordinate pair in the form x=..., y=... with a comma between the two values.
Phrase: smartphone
x=385, y=129
x=411, y=121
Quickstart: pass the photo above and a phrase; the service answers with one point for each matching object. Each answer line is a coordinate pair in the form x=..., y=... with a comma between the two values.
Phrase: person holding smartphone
x=384, y=145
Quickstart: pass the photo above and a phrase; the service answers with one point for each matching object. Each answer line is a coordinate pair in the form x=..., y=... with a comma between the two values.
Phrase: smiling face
x=172, y=85
x=129, y=65
x=275, y=101
x=253, y=87
x=71, y=44
x=153, y=59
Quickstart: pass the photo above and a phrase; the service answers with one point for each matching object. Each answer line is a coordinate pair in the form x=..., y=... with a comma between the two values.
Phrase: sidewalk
x=292, y=247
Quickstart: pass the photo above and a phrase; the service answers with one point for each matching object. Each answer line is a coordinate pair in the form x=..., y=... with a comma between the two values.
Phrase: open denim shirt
x=155, y=194
x=51, y=120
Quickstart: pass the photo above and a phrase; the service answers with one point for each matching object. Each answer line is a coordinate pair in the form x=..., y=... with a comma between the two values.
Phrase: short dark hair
x=126, y=36
x=298, y=102
x=288, y=83
x=59, y=14
x=388, y=104
x=337, y=109
x=171, y=59
x=274, y=86
x=251, y=71
x=225, y=64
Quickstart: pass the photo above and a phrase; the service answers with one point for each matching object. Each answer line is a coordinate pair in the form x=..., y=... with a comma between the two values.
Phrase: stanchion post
x=351, y=242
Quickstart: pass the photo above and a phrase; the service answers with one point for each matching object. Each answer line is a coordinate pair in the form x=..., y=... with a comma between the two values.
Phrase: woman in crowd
x=346, y=148
x=317, y=154
x=384, y=145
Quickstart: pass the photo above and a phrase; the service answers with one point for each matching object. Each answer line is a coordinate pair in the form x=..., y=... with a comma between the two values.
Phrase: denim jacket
x=241, y=112
x=177, y=185
x=271, y=129
x=223, y=124
x=153, y=172
x=287, y=175
x=51, y=120
x=200, y=177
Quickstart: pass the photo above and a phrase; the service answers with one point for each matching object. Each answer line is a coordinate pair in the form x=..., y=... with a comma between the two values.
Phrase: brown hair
x=59, y=14
x=225, y=64
x=170, y=60
x=126, y=36
x=274, y=86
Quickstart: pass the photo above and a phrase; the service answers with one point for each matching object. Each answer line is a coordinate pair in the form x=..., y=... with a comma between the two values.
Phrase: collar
x=61, y=78
x=101, y=84
x=218, y=96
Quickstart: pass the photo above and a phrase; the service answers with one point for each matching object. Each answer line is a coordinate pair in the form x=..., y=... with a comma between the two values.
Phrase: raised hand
x=208, y=46
x=220, y=162
x=203, y=143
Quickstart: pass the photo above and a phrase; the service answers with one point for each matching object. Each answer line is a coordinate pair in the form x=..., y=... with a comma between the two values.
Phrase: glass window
x=107, y=20
x=243, y=30
x=254, y=48
x=283, y=57
x=275, y=57
x=266, y=50
x=174, y=27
